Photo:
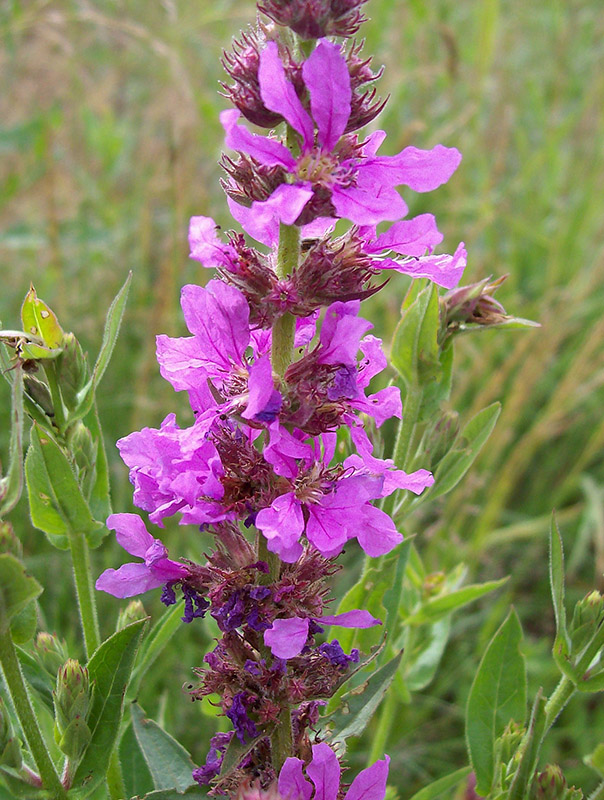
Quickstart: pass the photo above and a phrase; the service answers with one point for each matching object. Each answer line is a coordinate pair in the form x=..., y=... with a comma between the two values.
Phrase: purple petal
x=374, y=360
x=445, y=270
x=324, y=771
x=282, y=520
x=384, y=405
x=287, y=637
x=373, y=143
x=414, y=482
x=181, y=362
x=341, y=333
x=292, y=783
x=368, y=206
x=356, y=618
x=279, y=95
x=376, y=532
x=421, y=170
x=267, y=151
x=328, y=81
x=129, y=580
x=370, y=784
x=261, y=220
x=411, y=237
x=205, y=245
x=131, y=533
x=326, y=530
x=264, y=400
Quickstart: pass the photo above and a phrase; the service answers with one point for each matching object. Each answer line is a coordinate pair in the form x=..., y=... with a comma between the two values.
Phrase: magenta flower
x=324, y=771
x=334, y=174
x=287, y=637
x=136, y=578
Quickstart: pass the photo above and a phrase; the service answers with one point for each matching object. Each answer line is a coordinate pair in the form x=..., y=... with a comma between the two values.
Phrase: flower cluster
x=277, y=365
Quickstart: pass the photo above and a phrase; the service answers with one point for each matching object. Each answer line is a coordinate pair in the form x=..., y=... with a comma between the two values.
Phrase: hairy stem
x=27, y=718
x=281, y=740
x=85, y=591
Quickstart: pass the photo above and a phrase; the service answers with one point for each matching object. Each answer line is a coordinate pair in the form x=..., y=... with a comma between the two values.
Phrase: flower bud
x=313, y=19
x=72, y=695
x=132, y=613
x=587, y=618
x=549, y=784
x=72, y=371
x=10, y=746
x=510, y=741
x=442, y=436
x=472, y=305
x=51, y=651
x=9, y=543
x=40, y=394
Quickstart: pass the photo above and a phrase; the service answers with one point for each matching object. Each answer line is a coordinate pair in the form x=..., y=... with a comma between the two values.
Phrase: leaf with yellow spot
x=39, y=320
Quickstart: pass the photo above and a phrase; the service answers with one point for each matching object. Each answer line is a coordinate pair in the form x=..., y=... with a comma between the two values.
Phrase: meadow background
x=109, y=139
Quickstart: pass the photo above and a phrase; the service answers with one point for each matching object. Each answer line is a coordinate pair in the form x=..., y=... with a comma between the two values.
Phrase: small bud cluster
x=279, y=360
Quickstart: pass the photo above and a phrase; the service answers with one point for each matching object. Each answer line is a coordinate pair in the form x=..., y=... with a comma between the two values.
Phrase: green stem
x=27, y=718
x=281, y=740
x=85, y=591
x=115, y=780
x=380, y=738
x=598, y=792
x=285, y=327
x=559, y=698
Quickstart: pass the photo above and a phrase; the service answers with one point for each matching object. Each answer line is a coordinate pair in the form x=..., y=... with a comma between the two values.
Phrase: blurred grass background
x=109, y=140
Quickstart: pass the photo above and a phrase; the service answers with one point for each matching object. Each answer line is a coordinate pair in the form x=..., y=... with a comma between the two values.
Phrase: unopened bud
x=10, y=746
x=40, y=394
x=72, y=371
x=433, y=583
x=9, y=543
x=72, y=704
x=132, y=613
x=549, y=784
x=51, y=652
x=472, y=305
x=83, y=449
x=510, y=741
x=313, y=20
x=442, y=436
x=587, y=618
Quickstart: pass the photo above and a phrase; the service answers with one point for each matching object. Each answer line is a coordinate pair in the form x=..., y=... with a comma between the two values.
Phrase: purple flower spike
x=324, y=772
x=132, y=579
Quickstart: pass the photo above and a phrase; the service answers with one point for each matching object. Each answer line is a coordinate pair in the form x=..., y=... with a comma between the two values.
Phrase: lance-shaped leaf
x=414, y=352
x=438, y=607
x=110, y=333
x=57, y=505
x=595, y=760
x=155, y=641
x=11, y=485
x=468, y=443
x=556, y=577
x=169, y=763
x=360, y=704
x=498, y=695
x=18, y=787
x=419, y=669
x=109, y=670
x=442, y=785
x=37, y=677
x=17, y=590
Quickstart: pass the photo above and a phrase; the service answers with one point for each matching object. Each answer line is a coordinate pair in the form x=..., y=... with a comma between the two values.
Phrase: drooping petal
x=268, y=151
x=341, y=333
x=421, y=170
x=205, y=245
x=292, y=783
x=324, y=771
x=131, y=533
x=356, y=618
x=370, y=783
x=445, y=270
x=376, y=532
x=128, y=580
x=328, y=82
x=287, y=637
x=279, y=95
x=409, y=237
x=264, y=400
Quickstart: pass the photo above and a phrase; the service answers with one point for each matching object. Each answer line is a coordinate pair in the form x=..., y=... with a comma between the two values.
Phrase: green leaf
x=459, y=459
x=438, y=607
x=498, y=695
x=17, y=590
x=595, y=760
x=18, y=787
x=11, y=485
x=236, y=752
x=37, y=677
x=109, y=670
x=134, y=768
x=419, y=671
x=39, y=320
x=414, y=352
x=23, y=625
x=169, y=763
x=436, y=788
x=153, y=644
x=100, y=493
x=113, y=322
x=57, y=505
x=360, y=704
x=556, y=577
x=172, y=794
x=529, y=750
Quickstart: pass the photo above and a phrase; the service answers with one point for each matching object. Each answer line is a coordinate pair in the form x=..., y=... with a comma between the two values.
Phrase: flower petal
x=131, y=533
x=421, y=170
x=279, y=95
x=264, y=400
x=376, y=532
x=410, y=237
x=287, y=637
x=356, y=618
x=292, y=783
x=324, y=771
x=370, y=784
x=266, y=150
x=445, y=270
x=205, y=245
x=128, y=580
x=261, y=220
x=328, y=81
x=368, y=206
